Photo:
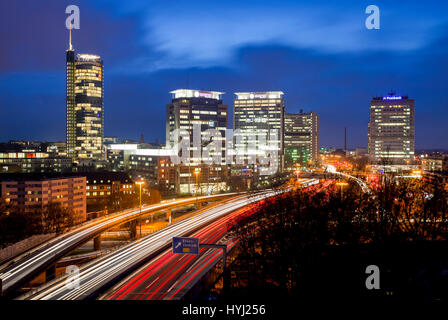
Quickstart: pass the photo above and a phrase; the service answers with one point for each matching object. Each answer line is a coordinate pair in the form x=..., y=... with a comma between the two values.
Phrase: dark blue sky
x=318, y=52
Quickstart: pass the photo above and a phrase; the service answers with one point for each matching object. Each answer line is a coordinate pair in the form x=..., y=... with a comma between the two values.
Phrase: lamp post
x=342, y=184
x=140, y=183
x=297, y=172
x=196, y=172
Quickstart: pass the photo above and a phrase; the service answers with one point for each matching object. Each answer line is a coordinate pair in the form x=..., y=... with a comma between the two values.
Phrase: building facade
x=259, y=114
x=102, y=185
x=196, y=107
x=435, y=164
x=301, y=139
x=32, y=157
x=193, y=179
x=391, y=131
x=84, y=106
x=204, y=110
x=32, y=193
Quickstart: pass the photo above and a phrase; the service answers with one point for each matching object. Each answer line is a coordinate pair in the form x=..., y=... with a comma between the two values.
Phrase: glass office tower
x=391, y=130
x=301, y=139
x=259, y=113
x=85, y=106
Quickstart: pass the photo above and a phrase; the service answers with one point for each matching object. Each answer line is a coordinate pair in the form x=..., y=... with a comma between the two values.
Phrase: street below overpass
x=171, y=276
x=104, y=272
x=17, y=272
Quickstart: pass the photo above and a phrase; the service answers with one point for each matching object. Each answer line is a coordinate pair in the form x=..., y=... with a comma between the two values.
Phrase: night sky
x=318, y=52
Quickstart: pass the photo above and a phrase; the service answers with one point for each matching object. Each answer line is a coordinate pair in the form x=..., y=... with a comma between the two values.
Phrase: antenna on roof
x=70, y=39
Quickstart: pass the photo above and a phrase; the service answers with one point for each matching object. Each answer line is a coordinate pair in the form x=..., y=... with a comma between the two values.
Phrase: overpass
x=101, y=274
x=170, y=276
x=19, y=271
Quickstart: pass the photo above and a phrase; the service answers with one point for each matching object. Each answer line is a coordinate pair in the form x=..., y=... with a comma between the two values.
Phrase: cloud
x=204, y=34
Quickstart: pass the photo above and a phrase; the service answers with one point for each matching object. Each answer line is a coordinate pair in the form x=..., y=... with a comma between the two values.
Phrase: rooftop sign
x=260, y=95
x=392, y=98
x=88, y=57
x=187, y=93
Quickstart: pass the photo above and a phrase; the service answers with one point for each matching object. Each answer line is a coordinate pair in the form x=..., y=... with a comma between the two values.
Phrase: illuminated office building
x=85, y=107
x=206, y=110
x=190, y=107
x=391, y=130
x=301, y=138
x=259, y=113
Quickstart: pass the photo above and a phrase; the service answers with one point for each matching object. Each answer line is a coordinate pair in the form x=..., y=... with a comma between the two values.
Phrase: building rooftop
x=391, y=97
x=259, y=95
x=99, y=175
x=88, y=57
x=136, y=149
x=189, y=93
x=36, y=176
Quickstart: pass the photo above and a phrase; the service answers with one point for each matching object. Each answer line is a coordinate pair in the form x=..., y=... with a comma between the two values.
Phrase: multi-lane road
x=100, y=274
x=170, y=276
x=24, y=268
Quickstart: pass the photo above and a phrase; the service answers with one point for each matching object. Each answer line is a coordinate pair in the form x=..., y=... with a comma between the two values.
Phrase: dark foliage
x=307, y=242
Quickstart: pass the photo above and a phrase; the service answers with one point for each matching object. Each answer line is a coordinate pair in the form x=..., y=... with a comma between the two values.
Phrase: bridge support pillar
x=97, y=243
x=133, y=229
x=168, y=215
x=50, y=273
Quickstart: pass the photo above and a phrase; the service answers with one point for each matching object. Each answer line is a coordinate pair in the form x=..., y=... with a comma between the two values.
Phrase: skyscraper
x=206, y=110
x=85, y=106
x=259, y=113
x=391, y=130
x=190, y=107
x=301, y=138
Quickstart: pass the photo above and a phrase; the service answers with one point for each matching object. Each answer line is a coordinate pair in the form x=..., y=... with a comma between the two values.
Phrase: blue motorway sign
x=185, y=245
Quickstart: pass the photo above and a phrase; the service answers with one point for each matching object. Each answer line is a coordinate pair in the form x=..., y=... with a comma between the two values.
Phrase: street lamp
x=140, y=183
x=342, y=184
x=196, y=172
x=297, y=172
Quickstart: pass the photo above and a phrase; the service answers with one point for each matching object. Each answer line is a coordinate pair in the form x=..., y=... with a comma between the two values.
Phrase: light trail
x=107, y=269
x=27, y=266
x=167, y=276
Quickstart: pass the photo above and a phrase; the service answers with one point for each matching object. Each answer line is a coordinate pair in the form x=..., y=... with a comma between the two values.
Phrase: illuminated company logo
x=392, y=98
x=205, y=94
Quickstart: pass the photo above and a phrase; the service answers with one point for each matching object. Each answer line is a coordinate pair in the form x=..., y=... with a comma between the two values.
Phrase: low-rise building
x=437, y=164
x=32, y=157
x=102, y=185
x=192, y=179
x=32, y=192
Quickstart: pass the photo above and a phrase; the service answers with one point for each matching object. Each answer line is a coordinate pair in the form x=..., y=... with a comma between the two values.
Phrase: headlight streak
x=29, y=264
x=96, y=274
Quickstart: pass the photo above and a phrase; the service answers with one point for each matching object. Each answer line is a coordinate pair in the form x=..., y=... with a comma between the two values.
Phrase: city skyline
x=350, y=76
x=236, y=158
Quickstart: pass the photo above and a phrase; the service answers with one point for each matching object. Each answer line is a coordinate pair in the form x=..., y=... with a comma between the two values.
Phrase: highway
x=170, y=276
x=27, y=266
x=106, y=271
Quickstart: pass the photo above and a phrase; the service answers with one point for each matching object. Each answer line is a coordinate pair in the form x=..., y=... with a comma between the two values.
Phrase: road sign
x=185, y=245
